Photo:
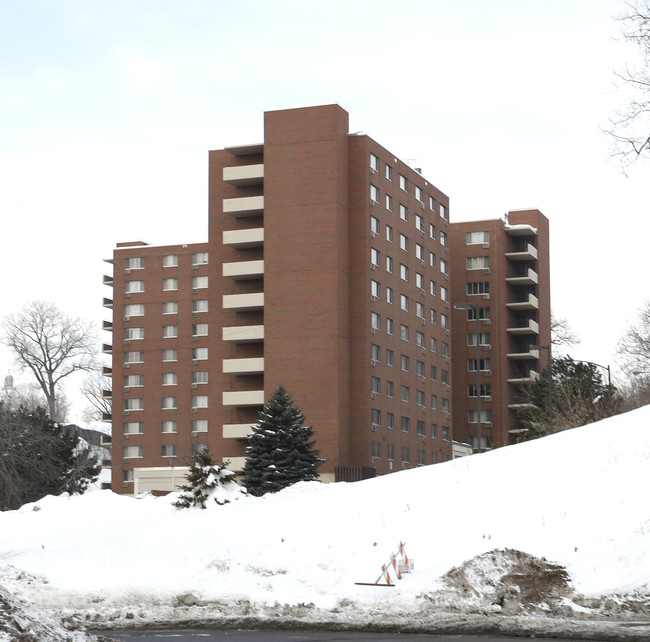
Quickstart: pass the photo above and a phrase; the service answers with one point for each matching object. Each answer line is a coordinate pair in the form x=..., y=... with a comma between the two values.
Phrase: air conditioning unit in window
x=422, y=321
x=374, y=427
x=422, y=233
x=127, y=318
x=373, y=170
x=126, y=388
x=373, y=266
x=195, y=266
x=373, y=297
x=487, y=373
x=373, y=330
x=127, y=295
x=488, y=424
x=125, y=460
x=374, y=395
x=373, y=362
x=488, y=398
x=486, y=270
x=195, y=290
x=487, y=346
x=486, y=246
x=195, y=362
x=127, y=342
x=372, y=202
x=487, y=321
x=195, y=314
x=195, y=409
x=373, y=234
x=424, y=350
x=127, y=365
x=127, y=412
x=486, y=296
x=194, y=386
x=195, y=338
x=423, y=263
x=421, y=290
x=446, y=277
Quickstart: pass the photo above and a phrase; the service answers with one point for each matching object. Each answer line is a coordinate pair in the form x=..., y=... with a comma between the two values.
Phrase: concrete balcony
x=236, y=464
x=243, y=270
x=532, y=376
x=523, y=252
x=527, y=276
x=236, y=431
x=244, y=175
x=107, y=325
x=107, y=394
x=246, y=150
x=242, y=398
x=108, y=280
x=107, y=303
x=244, y=366
x=107, y=371
x=527, y=302
x=243, y=333
x=521, y=230
x=244, y=302
x=527, y=327
x=244, y=206
x=525, y=354
x=107, y=348
x=243, y=239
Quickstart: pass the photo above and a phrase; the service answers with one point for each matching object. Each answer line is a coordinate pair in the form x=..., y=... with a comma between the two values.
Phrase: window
x=389, y=264
x=434, y=373
x=169, y=379
x=434, y=431
x=375, y=352
x=375, y=385
x=419, y=281
x=473, y=238
x=445, y=405
x=170, y=260
x=133, y=286
x=389, y=233
x=404, y=332
x=444, y=268
x=199, y=354
x=432, y=231
x=403, y=182
x=133, y=334
x=168, y=450
x=374, y=194
x=200, y=377
x=418, y=193
x=432, y=259
x=403, y=212
x=483, y=313
x=477, y=262
x=170, y=331
x=421, y=457
x=444, y=296
x=200, y=305
x=419, y=368
x=486, y=390
x=374, y=288
x=134, y=356
x=390, y=420
x=169, y=284
x=390, y=389
x=443, y=239
x=419, y=399
x=170, y=355
x=199, y=401
x=403, y=243
x=132, y=452
x=199, y=425
x=375, y=449
x=134, y=263
x=169, y=426
x=486, y=416
x=389, y=357
x=195, y=449
x=444, y=377
x=445, y=433
x=480, y=287
x=432, y=288
x=374, y=257
x=434, y=402
x=390, y=452
x=389, y=172
x=375, y=321
x=375, y=417
x=170, y=307
x=134, y=381
x=134, y=310
x=374, y=226
x=200, y=330
x=132, y=428
x=404, y=302
x=405, y=393
x=482, y=337
x=405, y=423
x=389, y=295
x=443, y=211
x=403, y=272
x=419, y=339
x=389, y=326
x=419, y=223
x=389, y=202
x=199, y=258
x=432, y=316
x=404, y=362
x=484, y=364
x=133, y=404
x=406, y=454
x=444, y=348
x=420, y=428
x=374, y=162
x=419, y=310
x=169, y=403
x=419, y=252
x=432, y=204
x=199, y=282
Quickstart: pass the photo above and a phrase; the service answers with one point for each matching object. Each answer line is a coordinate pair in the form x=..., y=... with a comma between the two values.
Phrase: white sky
x=109, y=108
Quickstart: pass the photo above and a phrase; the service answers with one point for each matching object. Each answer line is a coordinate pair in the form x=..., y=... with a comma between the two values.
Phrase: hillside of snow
x=554, y=530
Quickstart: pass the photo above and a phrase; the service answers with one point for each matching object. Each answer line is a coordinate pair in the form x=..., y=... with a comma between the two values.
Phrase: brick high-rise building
x=501, y=296
x=326, y=270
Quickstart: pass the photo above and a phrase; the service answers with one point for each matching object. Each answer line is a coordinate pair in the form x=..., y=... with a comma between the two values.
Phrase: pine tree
x=280, y=449
x=203, y=477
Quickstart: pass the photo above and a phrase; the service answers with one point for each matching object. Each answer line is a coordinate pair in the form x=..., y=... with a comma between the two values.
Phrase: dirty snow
x=546, y=537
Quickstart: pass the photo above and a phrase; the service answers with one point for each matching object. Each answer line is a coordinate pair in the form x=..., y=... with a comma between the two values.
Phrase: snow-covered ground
x=550, y=536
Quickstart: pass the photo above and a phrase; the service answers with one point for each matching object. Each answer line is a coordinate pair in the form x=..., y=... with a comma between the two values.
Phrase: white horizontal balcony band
x=244, y=366
x=530, y=278
x=243, y=270
x=530, y=354
x=522, y=229
x=237, y=431
x=243, y=398
x=244, y=175
x=236, y=464
x=244, y=206
x=532, y=327
x=527, y=254
x=239, y=239
x=243, y=333
x=533, y=376
x=246, y=150
x=252, y=301
x=531, y=303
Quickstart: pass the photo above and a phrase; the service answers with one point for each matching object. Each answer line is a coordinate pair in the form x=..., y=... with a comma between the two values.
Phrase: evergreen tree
x=280, y=449
x=203, y=478
x=39, y=458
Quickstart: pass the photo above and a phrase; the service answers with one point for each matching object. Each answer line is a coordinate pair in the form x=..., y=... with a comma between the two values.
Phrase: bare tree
x=630, y=126
x=562, y=333
x=97, y=389
x=634, y=345
x=51, y=345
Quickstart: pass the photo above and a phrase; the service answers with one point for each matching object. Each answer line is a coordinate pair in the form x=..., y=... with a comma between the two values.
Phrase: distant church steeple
x=9, y=382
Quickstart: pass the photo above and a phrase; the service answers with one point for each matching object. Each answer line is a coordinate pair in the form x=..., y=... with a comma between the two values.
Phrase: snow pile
x=555, y=530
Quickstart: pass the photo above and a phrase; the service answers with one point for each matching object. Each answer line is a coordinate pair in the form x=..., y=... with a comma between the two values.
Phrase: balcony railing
x=527, y=326
x=243, y=366
x=523, y=276
x=244, y=175
x=242, y=239
x=243, y=398
x=524, y=301
x=243, y=333
x=244, y=206
x=244, y=302
x=243, y=270
x=522, y=252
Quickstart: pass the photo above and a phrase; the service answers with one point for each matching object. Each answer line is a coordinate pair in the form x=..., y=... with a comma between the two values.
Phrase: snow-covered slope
x=578, y=499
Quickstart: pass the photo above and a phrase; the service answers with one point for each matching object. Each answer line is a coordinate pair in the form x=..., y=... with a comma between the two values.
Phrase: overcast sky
x=108, y=110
